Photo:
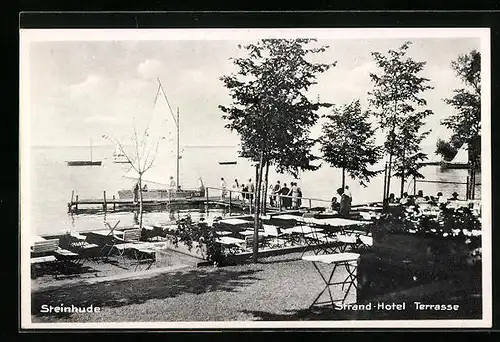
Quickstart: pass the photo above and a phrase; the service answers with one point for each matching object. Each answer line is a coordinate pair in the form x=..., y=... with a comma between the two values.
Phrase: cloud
x=83, y=88
x=131, y=87
x=149, y=68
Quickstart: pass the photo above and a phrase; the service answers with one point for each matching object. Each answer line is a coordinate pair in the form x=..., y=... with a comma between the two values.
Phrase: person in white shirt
x=223, y=189
x=347, y=192
x=441, y=199
x=171, y=186
x=236, y=187
x=404, y=200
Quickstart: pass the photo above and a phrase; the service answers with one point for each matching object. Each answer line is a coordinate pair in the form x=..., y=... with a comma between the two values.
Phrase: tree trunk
x=343, y=178
x=140, y=201
x=402, y=175
x=264, y=207
x=257, y=208
x=388, y=185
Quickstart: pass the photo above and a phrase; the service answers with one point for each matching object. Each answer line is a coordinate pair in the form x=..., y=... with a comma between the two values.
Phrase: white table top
x=227, y=240
x=234, y=221
x=287, y=217
x=302, y=230
x=367, y=208
x=332, y=258
x=107, y=232
x=339, y=222
x=347, y=238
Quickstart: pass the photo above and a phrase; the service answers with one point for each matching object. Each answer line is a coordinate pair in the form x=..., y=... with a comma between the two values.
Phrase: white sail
x=118, y=152
x=462, y=156
x=157, y=146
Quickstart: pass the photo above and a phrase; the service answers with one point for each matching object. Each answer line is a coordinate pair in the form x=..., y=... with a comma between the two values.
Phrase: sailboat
x=119, y=156
x=159, y=147
x=85, y=162
x=460, y=161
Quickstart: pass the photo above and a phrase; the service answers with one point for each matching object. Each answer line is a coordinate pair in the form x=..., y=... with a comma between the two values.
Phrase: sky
x=80, y=90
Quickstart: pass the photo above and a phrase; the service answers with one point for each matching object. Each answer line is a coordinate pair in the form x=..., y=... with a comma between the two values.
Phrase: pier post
x=114, y=203
x=279, y=202
x=230, y=193
x=76, y=204
x=104, y=205
x=310, y=204
x=467, y=189
x=70, y=204
x=206, y=193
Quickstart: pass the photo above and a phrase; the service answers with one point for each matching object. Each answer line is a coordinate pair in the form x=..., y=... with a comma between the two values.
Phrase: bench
x=42, y=260
x=44, y=247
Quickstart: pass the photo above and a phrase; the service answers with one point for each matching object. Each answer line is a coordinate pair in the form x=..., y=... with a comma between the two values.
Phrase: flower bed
x=410, y=249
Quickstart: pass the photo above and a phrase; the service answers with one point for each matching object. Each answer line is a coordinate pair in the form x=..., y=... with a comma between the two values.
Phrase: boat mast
x=177, y=124
x=176, y=121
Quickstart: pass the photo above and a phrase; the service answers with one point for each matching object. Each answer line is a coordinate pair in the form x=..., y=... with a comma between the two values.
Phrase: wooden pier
x=104, y=204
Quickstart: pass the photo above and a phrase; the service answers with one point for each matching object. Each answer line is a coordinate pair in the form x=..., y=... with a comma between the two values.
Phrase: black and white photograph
x=255, y=178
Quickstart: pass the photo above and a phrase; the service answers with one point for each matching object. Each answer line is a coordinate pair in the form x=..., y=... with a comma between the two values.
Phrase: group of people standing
x=243, y=191
x=284, y=196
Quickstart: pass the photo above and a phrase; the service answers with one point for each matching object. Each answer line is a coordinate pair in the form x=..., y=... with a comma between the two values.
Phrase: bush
x=198, y=235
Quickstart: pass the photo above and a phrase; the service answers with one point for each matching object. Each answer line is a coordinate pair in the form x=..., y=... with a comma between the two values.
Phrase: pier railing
x=469, y=188
x=232, y=196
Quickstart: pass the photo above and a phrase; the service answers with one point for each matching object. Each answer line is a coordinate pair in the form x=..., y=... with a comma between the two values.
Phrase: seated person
x=404, y=200
x=441, y=200
x=454, y=197
x=335, y=204
x=145, y=187
x=420, y=197
x=391, y=198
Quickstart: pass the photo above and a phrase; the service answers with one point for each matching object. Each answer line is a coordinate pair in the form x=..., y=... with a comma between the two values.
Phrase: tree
x=348, y=142
x=407, y=148
x=141, y=159
x=466, y=122
x=394, y=101
x=270, y=110
x=445, y=149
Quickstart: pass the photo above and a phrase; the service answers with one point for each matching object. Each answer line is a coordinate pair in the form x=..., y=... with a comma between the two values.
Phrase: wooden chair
x=131, y=246
x=44, y=247
x=81, y=245
x=42, y=257
x=274, y=232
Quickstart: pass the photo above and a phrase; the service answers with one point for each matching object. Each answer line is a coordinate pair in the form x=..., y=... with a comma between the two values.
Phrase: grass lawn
x=276, y=288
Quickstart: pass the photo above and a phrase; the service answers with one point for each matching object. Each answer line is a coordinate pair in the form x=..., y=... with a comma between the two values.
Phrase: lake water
x=52, y=181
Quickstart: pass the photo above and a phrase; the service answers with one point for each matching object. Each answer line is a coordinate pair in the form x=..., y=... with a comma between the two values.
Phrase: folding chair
x=274, y=233
x=119, y=246
x=67, y=259
x=81, y=245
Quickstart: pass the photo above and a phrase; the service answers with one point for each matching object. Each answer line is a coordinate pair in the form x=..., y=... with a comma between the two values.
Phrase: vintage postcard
x=255, y=178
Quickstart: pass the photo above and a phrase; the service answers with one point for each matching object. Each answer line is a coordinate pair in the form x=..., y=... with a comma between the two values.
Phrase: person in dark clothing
x=136, y=192
x=284, y=201
x=345, y=203
x=335, y=204
x=392, y=198
x=276, y=192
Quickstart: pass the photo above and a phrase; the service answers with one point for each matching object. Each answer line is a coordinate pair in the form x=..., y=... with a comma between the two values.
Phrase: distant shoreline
x=112, y=146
